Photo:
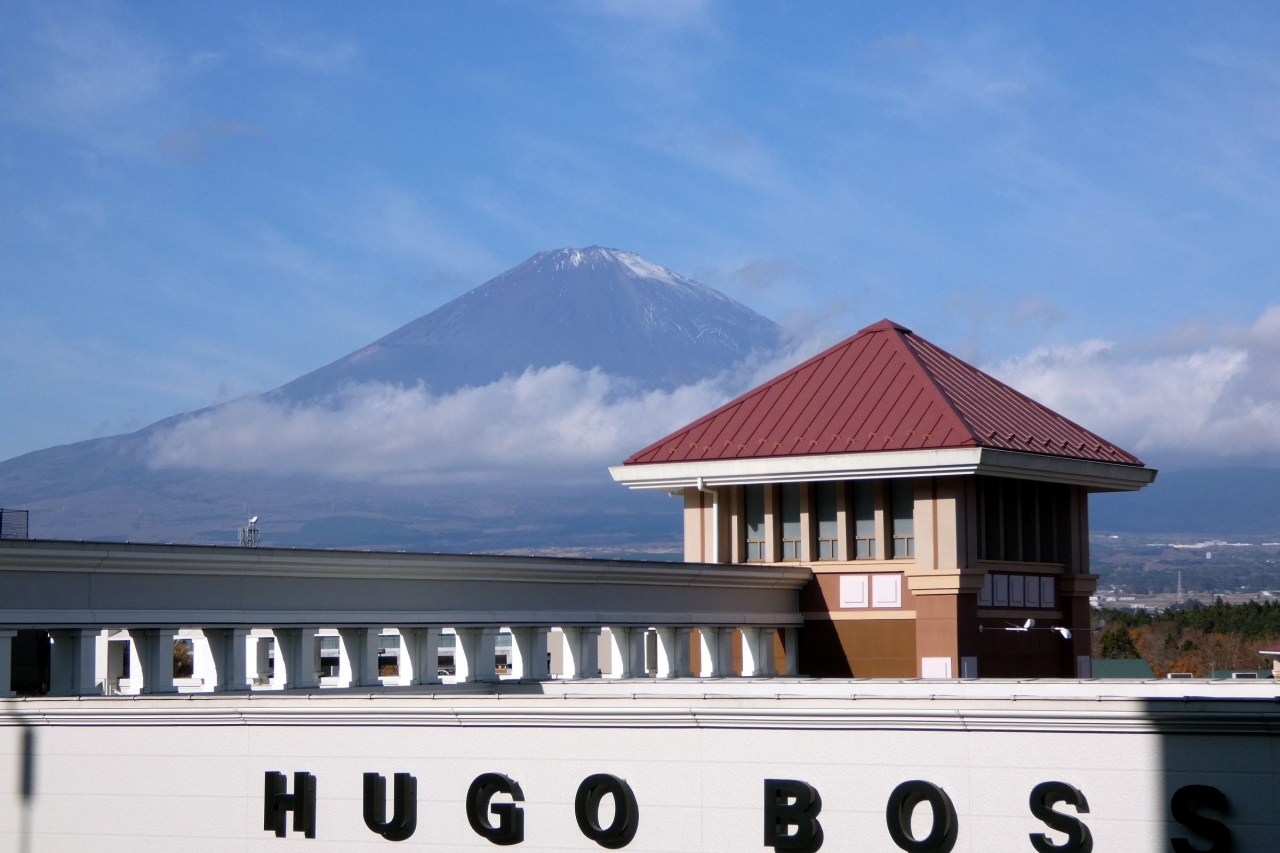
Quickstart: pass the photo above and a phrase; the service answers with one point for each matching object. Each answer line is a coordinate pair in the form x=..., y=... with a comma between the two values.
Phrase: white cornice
x=1096, y=476
x=868, y=705
x=32, y=555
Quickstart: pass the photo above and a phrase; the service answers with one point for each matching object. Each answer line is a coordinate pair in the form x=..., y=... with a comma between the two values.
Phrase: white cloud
x=559, y=420
x=559, y=423
x=1210, y=392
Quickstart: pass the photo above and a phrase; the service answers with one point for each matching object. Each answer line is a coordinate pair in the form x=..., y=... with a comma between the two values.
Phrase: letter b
x=791, y=803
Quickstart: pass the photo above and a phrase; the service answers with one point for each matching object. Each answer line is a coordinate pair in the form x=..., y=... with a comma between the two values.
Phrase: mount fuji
x=598, y=310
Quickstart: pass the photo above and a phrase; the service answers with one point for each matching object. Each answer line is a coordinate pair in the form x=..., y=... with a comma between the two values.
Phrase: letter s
x=1043, y=798
x=1184, y=805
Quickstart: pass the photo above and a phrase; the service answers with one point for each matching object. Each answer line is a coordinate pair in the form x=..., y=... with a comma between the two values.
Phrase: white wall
x=141, y=775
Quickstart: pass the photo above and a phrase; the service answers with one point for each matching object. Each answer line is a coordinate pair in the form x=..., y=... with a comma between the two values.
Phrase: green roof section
x=1122, y=668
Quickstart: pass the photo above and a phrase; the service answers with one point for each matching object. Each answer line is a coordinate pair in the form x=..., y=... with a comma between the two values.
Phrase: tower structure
x=927, y=497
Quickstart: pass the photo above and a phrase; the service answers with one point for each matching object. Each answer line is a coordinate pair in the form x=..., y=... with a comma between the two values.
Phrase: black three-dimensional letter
x=903, y=801
x=1185, y=804
x=788, y=803
x=404, y=817
x=1043, y=798
x=302, y=802
x=510, y=828
x=626, y=813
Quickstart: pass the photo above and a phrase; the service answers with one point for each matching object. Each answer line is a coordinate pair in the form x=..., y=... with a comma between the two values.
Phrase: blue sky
x=202, y=201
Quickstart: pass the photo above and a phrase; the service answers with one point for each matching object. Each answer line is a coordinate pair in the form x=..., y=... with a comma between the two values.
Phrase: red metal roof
x=885, y=388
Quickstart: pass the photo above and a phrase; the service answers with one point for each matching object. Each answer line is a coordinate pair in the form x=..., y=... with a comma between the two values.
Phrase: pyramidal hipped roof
x=883, y=389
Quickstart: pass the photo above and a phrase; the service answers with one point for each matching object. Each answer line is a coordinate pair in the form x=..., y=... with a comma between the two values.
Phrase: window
x=389, y=654
x=789, y=511
x=1032, y=592
x=902, y=504
x=753, y=509
x=824, y=501
x=330, y=657
x=864, y=520
x=1022, y=521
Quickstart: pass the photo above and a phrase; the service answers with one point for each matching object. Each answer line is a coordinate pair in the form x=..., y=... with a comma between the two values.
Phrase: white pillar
x=155, y=651
x=77, y=667
x=532, y=654
x=673, y=653
x=299, y=649
x=626, y=652
x=757, y=652
x=419, y=655
x=360, y=655
x=583, y=644
x=6, y=663
x=791, y=644
x=717, y=652
x=229, y=648
x=476, y=650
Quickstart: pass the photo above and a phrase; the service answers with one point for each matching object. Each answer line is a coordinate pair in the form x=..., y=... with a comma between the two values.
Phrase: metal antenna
x=250, y=535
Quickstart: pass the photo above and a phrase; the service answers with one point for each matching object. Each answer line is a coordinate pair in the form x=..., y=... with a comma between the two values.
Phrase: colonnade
x=97, y=661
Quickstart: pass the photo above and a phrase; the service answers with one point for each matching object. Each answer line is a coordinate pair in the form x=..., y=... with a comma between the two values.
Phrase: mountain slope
x=591, y=307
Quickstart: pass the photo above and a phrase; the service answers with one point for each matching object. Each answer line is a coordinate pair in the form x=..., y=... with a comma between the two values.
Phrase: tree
x=1116, y=643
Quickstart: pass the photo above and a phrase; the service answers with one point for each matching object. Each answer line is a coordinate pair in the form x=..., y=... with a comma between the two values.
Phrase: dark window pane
x=1030, y=521
x=864, y=508
x=789, y=500
x=1011, y=498
x=866, y=549
x=903, y=501
x=990, y=518
x=826, y=549
x=753, y=506
x=824, y=499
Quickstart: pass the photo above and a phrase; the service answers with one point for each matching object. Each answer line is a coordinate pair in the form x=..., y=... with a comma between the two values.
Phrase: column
x=757, y=652
x=626, y=652
x=419, y=655
x=584, y=652
x=299, y=650
x=229, y=648
x=791, y=645
x=717, y=652
x=475, y=654
x=673, y=653
x=77, y=667
x=6, y=663
x=532, y=653
x=360, y=655
x=155, y=651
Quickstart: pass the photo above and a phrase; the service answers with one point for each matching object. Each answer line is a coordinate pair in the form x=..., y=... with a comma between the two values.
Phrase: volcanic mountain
x=589, y=308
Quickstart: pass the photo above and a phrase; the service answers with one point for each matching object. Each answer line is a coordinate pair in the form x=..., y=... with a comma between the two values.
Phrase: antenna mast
x=250, y=535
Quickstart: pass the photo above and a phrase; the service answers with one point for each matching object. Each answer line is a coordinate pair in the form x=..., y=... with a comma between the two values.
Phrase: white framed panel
x=1032, y=594
x=1047, y=592
x=935, y=667
x=984, y=594
x=1000, y=590
x=886, y=590
x=853, y=591
x=1017, y=591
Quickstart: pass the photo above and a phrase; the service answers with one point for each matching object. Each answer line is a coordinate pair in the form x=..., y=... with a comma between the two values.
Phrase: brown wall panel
x=879, y=648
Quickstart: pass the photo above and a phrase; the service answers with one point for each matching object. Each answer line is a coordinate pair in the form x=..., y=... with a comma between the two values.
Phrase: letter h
x=302, y=802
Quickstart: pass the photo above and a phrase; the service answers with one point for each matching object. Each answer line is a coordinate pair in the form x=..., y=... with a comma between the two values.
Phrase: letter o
x=626, y=814
x=903, y=801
